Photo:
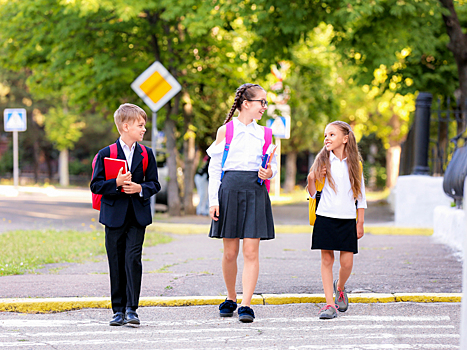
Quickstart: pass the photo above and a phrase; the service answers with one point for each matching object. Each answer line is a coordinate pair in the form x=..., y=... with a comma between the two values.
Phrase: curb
x=47, y=305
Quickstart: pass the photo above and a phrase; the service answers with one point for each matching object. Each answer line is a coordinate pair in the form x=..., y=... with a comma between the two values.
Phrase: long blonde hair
x=353, y=160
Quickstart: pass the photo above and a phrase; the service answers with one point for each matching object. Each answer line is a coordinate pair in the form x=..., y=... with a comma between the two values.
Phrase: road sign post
x=15, y=120
x=156, y=86
x=280, y=126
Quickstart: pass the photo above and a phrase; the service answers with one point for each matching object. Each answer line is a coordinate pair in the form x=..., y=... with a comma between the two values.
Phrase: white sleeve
x=215, y=170
x=361, y=203
x=273, y=166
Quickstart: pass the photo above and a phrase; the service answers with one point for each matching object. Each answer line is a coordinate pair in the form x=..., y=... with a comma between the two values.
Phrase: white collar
x=124, y=145
x=332, y=157
x=253, y=128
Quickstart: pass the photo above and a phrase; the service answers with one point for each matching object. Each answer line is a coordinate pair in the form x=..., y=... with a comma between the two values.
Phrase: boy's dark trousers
x=124, y=247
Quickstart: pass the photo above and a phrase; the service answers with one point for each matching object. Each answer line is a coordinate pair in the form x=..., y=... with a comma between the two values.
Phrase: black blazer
x=114, y=203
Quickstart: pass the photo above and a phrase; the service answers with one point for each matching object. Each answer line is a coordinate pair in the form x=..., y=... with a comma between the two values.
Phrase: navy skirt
x=335, y=234
x=244, y=208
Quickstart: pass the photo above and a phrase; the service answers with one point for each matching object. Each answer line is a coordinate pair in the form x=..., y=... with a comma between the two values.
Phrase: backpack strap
x=145, y=158
x=113, y=150
x=267, y=143
x=267, y=139
x=228, y=139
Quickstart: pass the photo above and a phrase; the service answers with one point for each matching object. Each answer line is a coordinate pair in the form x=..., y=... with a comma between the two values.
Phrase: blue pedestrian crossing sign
x=280, y=127
x=14, y=119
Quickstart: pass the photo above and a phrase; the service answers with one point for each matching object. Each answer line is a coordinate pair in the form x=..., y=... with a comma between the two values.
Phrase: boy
x=125, y=211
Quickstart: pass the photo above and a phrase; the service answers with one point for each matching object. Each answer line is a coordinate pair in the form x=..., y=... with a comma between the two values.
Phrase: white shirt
x=129, y=156
x=128, y=152
x=245, y=154
x=340, y=205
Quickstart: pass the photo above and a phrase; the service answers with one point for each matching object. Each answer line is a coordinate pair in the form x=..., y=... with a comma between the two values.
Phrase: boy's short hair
x=128, y=112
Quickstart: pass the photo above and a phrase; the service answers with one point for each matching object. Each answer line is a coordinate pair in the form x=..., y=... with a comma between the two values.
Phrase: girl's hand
x=122, y=178
x=265, y=174
x=360, y=231
x=323, y=172
x=214, y=212
x=360, y=221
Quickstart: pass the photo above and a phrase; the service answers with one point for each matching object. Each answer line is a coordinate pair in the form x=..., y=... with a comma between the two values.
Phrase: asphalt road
x=38, y=208
x=296, y=326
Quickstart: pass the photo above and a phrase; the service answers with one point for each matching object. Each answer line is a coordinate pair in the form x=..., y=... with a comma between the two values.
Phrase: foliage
x=62, y=128
x=312, y=84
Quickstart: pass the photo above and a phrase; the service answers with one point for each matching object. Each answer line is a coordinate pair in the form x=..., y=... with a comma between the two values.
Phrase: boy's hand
x=265, y=174
x=121, y=178
x=130, y=187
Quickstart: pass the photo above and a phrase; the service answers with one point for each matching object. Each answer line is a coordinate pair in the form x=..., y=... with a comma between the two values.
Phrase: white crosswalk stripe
x=357, y=331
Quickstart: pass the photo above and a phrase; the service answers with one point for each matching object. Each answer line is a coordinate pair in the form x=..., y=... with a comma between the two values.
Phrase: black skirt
x=335, y=234
x=244, y=208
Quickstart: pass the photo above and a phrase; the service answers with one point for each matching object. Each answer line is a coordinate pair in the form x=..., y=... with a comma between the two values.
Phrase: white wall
x=449, y=227
x=416, y=197
x=464, y=283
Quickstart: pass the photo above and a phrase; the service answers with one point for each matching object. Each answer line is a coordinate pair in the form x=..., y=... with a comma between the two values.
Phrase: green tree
x=408, y=40
x=63, y=129
x=91, y=51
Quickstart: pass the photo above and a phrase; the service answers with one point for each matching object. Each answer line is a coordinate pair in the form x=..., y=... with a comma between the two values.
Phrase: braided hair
x=244, y=92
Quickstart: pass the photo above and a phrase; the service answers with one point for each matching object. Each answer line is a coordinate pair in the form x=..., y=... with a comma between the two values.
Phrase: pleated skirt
x=335, y=234
x=244, y=208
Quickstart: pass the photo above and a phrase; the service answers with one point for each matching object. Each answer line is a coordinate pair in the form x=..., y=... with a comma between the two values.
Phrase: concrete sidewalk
x=187, y=271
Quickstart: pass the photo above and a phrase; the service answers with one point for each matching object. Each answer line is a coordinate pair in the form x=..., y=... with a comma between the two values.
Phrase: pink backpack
x=96, y=198
x=228, y=140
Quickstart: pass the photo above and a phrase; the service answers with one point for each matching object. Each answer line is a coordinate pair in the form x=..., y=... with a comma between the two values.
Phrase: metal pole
x=15, y=159
x=153, y=146
x=463, y=342
x=422, y=133
x=277, y=182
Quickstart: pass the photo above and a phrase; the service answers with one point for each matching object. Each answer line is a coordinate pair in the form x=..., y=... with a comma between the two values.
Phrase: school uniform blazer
x=114, y=203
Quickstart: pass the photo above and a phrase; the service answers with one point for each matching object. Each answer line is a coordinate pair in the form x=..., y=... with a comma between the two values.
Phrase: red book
x=112, y=167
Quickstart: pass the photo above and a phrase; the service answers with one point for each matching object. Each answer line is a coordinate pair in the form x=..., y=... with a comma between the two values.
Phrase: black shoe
x=246, y=314
x=227, y=308
x=117, y=319
x=131, y=317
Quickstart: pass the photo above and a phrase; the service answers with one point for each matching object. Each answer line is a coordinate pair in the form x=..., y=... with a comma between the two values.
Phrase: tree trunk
x=173, y=198
x=290, y=171
x=63, y=168
x=393, y=154
x=458, y=46
x=189, y=151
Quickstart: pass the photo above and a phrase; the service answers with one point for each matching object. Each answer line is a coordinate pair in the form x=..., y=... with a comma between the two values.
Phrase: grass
x=28, y=250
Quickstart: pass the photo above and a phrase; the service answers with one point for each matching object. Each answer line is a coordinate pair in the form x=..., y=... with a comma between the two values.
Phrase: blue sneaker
x=227, y=308
x=246, y=314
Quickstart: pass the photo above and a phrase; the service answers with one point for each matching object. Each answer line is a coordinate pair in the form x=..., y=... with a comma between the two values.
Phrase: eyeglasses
x=264, y=103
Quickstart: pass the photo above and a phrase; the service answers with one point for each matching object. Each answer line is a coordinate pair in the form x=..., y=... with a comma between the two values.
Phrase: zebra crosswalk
x=296, y=326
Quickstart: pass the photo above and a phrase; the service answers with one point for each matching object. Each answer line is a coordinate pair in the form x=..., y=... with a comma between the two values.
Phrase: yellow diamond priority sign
x=156, y=86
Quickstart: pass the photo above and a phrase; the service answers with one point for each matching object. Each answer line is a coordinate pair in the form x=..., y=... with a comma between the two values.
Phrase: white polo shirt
x=340, y=205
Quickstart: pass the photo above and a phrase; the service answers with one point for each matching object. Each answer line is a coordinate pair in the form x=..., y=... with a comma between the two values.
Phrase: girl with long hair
x=342, y=197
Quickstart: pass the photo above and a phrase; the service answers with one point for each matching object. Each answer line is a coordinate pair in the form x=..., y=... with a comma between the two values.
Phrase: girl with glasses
x=240, y=207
